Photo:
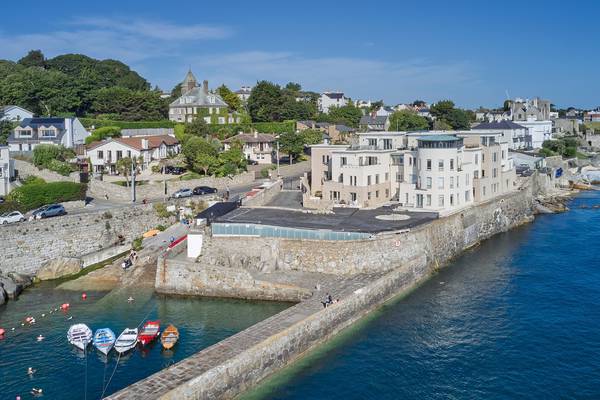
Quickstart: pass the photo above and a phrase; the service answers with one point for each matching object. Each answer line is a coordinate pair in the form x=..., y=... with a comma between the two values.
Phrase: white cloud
x=358, y=77
x=130, y=41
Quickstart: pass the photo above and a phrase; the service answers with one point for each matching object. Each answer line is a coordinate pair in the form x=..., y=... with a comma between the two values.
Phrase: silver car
x=11, y=217
x=183, y=193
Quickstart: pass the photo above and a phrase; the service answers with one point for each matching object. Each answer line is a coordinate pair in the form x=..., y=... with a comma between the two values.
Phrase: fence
x=234, y=229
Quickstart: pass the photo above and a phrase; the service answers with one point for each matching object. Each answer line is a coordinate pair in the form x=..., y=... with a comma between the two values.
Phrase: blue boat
x=104, y=339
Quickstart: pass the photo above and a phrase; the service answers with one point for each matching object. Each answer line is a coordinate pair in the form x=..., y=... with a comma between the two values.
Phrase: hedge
x=34, y=195
x=228, y=129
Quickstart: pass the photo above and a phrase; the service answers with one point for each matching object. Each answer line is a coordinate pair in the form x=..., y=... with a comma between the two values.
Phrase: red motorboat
x=149, y=332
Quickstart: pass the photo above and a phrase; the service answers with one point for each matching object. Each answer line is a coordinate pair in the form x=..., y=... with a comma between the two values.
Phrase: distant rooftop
x=505, y=124
x=439, y=138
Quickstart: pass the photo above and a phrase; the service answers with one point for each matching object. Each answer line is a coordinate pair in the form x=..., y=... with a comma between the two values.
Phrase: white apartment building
x=419, y=171
x=331, y=99
x=516, y=135
x=7, y=170
x=539, y=130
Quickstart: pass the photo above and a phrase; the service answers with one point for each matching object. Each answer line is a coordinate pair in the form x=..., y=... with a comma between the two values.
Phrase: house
x=7, y=170
x=257, y=147
x=384, y=111
x=30, y=132
x=14, y=114
x=492, y=116
x=147, y=132
x=244, y=93
x=424, y=112
x=200, y=102
x=331, y=99
x=433, y=172
x=305, y=124
x=517, y=135
x=592, y=116
x=374, y=123
x=144, y=149
x=565, y=127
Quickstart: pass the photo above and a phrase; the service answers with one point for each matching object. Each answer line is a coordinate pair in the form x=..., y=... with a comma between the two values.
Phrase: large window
x=387, y=144
x=46, y=133
x=451, y=164
x=441, y=165
x=451, y=182
x=428, y=179
x=440, y=182
x=119, y=154
x=100, y=154
x=428, y=165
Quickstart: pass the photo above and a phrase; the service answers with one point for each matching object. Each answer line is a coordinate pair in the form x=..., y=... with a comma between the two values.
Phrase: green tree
x=130, y=105
x=348, y=115
x=265, y=102
x=407, y=121
x=43, y=154
x=444, y=111
x=311, y=136
x=232, y=99
x=293, y=87
x=197, y=127
x=195, y=146
x=292, y=144
x=124, y=167
x=6, y=128
x=205, y=162
x=35, y=58
x=103, y=133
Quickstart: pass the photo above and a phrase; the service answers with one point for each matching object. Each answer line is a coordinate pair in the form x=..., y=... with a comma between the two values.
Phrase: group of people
x=329, y=301
x=132, y=258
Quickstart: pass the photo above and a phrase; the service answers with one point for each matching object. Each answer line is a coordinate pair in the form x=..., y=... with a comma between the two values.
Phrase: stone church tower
x=189, y=83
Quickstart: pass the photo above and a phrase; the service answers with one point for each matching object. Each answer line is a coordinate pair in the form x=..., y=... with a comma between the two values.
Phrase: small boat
x=104, y=339
x=79, y=335
x=169, y=337
x=126, y=340
x=149, y=332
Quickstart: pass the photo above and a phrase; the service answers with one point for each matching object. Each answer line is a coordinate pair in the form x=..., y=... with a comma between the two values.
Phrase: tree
x=6, y=128
x=103, y=133
x=292, y=144
x=124, y=166
x=293, y=87
x=35, y=58
x=232, y=99
x=197, y=127
x=445, y=112
x=205, y=162
x=131, y=105
x=194, y=146
x=311, y=136
x=441, y=109
x=407, y=121
x=265, y=102
x=43, y=154
x=348, y=115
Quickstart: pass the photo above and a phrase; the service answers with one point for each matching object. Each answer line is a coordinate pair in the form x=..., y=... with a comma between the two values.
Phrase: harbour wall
x=399, y=260
x=27, y=246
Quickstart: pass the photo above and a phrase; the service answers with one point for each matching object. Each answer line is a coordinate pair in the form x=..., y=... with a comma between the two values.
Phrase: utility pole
x=278, y=158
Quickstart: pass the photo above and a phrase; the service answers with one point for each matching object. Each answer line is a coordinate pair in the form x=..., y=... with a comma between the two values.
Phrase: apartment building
x=419, y=171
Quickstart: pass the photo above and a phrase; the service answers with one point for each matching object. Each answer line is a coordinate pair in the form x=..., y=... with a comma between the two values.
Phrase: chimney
x=205, y=86
x=144, y=143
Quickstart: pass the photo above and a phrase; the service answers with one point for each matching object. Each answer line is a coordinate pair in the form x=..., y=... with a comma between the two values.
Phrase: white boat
x=79, y=335
x=104, y=339
x=126, y=340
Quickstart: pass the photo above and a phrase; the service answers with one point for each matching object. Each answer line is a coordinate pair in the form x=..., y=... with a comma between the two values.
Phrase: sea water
x=517, y=317
x=63, y=372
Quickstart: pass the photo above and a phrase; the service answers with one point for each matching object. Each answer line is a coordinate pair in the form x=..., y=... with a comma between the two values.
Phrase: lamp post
x=278, y=158
x=133, y=180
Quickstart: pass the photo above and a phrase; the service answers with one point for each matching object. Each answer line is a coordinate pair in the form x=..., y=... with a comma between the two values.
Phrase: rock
x=12, y=289
x=3, y=295
x=59, y=267
x=21, y=279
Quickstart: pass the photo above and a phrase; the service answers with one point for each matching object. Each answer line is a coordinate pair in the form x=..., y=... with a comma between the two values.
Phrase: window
x=483, y=190
x=428, y=200
x=483, y=173
x=440, y=182
x=376, y=179
x=419, y=201
x=451, y=164
x=47, y=133
x=372, y=142
x=467, y=195
x=343, y=161
x=451, y=199
x=377, y=194
x=352, y=196
x=25, y=133
x=441, y=165
x=341, y=178
x=451, y=182
x=494, y=157
x=387, y=144
x=387, y=193
x=476, y=175
x=476, y=159
x=428, y=182
x=129, y=153
x=368, y=195
x=387, y=176
x=428, y=165
x=100, y=154
x=441, y=200
x=368, y=180
x=494, y=172
x=119, y=154
x=108, y=155
x=467, y=179
x=457, y=181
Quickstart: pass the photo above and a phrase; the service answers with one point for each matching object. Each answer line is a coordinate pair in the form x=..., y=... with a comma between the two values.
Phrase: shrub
x=32, y=179
x=107, y=215
x=264, y=173
x=100, y=123
x=60, y=167
x=161, y=210
x=28, y=197
x=161, y=228
x=156, y=169
x=103, y=133
x=137, y=244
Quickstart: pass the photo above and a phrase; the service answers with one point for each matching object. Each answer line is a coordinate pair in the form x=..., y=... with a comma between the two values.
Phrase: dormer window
x=211, y=99
x=47, y=132
x=24, y=132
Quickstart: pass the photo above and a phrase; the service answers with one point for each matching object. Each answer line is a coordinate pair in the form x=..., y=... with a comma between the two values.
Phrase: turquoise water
x=65, y=373
x=518, y=317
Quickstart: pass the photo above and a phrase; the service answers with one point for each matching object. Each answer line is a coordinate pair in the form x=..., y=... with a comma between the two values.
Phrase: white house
x=7, y=170
x=538, y=130
x=14, y=114
x=68, y=132
x=105, y=154
x=244, y=93
x=257, y=147
x=331, y=99
x=517, y=135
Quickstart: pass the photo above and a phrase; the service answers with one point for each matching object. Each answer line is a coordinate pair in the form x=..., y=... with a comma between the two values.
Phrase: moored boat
x=79, y=335
x=126, y=340
x=104, y=340
x=149, y=332
x=169, y=337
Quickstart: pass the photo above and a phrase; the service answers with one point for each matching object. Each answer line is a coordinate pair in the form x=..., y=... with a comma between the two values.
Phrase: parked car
x=53, y=210
x=200, y=190
x=183, y=193
x=252, y=162
x=174, y=170
x=35, y=214
x=1, y=199
x=11, y=217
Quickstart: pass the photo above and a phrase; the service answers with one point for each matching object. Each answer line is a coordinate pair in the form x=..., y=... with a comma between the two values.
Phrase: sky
x=474, y=52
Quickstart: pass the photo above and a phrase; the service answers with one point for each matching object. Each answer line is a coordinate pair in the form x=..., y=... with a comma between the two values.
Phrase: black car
x=174, y=170
x=200, y=190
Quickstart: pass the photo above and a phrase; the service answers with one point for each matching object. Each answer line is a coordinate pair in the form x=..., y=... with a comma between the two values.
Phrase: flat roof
x=440, y=138
x=342, y=220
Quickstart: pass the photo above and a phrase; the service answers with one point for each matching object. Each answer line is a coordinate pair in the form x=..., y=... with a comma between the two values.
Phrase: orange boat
x=169, y=337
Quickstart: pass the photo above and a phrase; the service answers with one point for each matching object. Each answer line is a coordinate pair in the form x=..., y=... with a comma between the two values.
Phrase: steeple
x=189, y=82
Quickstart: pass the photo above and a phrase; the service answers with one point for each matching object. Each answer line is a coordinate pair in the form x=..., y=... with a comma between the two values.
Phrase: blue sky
x=398, y=51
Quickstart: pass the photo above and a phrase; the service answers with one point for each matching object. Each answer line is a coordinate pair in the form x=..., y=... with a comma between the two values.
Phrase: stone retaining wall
x=27, y=246
x=264, y=196
x=26, y=169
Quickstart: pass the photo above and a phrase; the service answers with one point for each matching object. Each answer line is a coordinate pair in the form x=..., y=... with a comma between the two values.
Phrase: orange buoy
x=65, y=306
x=84, y=296
x=2, y=332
